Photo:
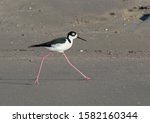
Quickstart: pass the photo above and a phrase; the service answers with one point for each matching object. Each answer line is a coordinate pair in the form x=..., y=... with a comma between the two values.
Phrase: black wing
x=50, y=43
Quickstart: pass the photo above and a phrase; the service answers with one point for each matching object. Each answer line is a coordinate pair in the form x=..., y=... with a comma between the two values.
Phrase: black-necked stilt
x=59, y=45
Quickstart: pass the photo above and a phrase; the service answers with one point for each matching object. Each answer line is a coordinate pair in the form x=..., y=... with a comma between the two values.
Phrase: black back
x=50, y=43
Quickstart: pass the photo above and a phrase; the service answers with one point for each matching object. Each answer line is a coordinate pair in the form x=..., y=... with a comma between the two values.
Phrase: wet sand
x=116, y=56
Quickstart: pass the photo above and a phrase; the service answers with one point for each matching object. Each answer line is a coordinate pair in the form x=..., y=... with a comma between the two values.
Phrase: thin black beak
x=81, y=38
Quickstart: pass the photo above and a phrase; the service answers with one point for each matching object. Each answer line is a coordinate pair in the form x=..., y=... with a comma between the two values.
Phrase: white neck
x=71, y=38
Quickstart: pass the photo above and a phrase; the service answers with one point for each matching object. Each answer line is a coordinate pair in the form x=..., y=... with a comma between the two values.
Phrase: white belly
x=61, y=47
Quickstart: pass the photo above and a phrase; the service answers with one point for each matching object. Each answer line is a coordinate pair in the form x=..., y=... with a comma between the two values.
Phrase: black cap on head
x=72, y=33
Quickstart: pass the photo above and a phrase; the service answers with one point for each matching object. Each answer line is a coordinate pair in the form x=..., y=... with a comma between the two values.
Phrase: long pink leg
x=37, y=77
x=86, y=77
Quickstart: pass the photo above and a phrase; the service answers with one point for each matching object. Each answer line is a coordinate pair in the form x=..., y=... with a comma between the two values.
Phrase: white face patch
x=73, y=34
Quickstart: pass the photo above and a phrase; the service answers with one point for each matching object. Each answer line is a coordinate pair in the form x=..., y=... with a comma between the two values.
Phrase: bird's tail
x=47, y=44
x=37, y=45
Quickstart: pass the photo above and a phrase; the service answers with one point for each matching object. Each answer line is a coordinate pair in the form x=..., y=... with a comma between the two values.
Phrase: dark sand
x=116, y=56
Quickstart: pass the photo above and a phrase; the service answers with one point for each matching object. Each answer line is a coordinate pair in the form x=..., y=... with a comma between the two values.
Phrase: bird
x=59, y=45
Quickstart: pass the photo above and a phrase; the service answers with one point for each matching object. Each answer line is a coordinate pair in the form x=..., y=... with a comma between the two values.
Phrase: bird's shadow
x=15, y=82
x=29, y=82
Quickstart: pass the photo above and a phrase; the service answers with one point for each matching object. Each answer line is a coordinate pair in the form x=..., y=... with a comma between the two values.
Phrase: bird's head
x=73, y=35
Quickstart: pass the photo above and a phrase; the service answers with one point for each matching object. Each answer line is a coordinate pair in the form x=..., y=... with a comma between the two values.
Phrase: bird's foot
x=36, y=82
x=87, y=78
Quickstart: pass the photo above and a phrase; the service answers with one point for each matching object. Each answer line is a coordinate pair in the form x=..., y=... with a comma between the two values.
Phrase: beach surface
x=116, y=56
